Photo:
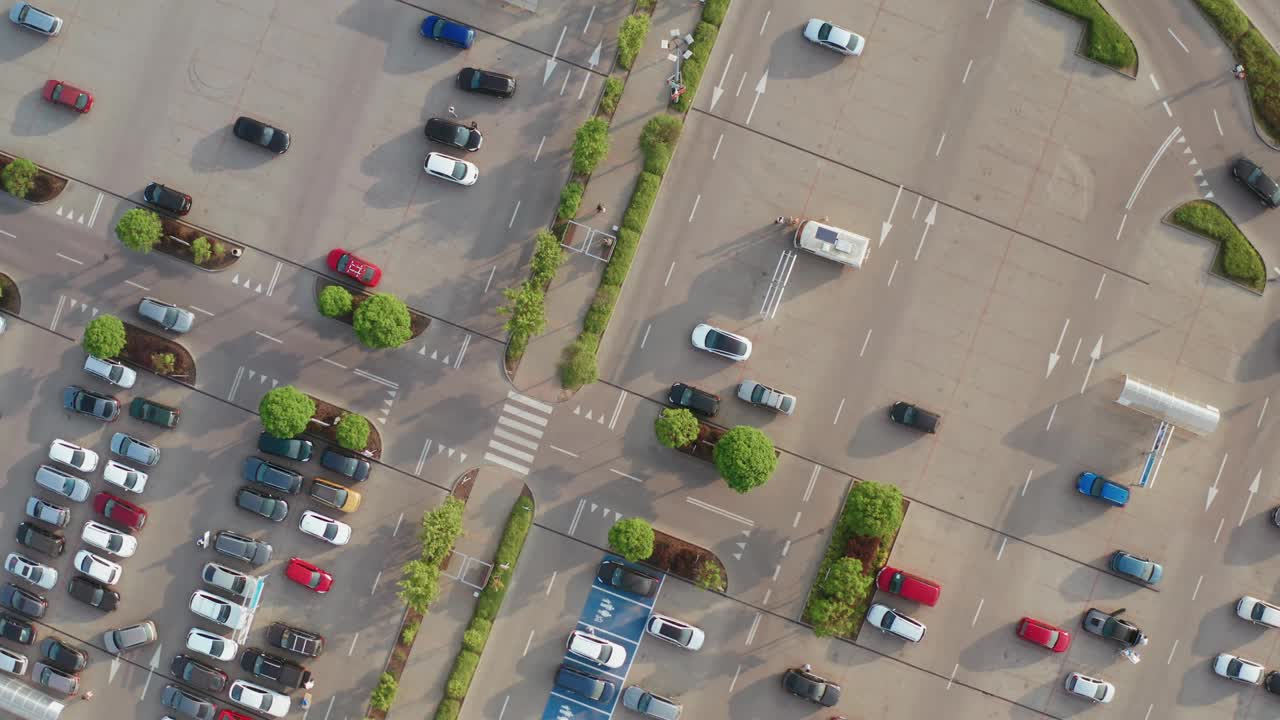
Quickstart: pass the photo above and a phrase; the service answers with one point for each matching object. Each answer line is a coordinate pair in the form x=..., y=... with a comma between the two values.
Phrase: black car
x=1272, y=683
x=197, y=674
x=454, y=134
x=914, y=416
x=23, y=602
x=257, y=470
x=619, y=576
x=295, y=640
x=103, y=407
x=166, y=198
x=271, y=507
x=805, y=684
x=1110, y=626
x=700, y=402
x=486, y=82
x=187, y=703
x=153, y=412
x=1257, y=180
x=63, y=656
x=41, y=540
x=93, y=593
x=265, y=665
x=291, y=448
x=261, y=134
x=353, y=467
x=19, y=631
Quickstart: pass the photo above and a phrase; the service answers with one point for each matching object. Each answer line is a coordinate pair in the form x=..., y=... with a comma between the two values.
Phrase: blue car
x=450, y=33
x=1095, y=485
x=1138, y=568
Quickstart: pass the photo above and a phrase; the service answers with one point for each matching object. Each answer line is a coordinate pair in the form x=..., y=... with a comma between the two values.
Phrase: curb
x=65, y=180
x=1084, y=39
x=1167, y=220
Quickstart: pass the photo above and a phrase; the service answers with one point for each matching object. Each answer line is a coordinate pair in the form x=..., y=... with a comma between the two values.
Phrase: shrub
x=1105, y=40
x=286, y=411
x=601, y=309
x=352, y=432
x=334, y=301
x=570, y=200
x=200, y=250
x=103, y=337
x=409, y=633
x=440, y=528
x=624, y=251
x=873, y=509
x=643, y=197
x=382, y=321
x=548, y=256
x=744, y=456
x=590, y=146
x=384, y=693
x=477, y=634
x=1263, y=65
x=709, y=577
x=448, y=709
x=464, y=668
x=632, y=538
x=713, y=11
x=19, y=177
x=704, y=38
x=489, y=603
x=676, y=427
x=631, y=38
x=420, y=585
x=658, y=141
x=578, y=366
x=1227, y=17
x=846, y=581
x=612, y=94
x=163, y=363
x=514, y=533
x=526, y=310
x=646, y=5
x=830, y=616
x=219, y=250
x=139, y=229
x=1240, y=259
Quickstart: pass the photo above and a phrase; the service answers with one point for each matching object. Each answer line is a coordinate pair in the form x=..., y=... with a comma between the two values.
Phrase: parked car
x=215, y=609
x=265, y=504
x=38, y=574
x=324, y=528
x=1138, y=568
x=363, y=271
x=230, y=581
x=334, y=495
x=187, y=703
x=356, y=468
x=233, y=715
x=197, y=674
x=52, y=678
x=1110, y=626
x=448, y=32
x=1272, y=683
x=23, y=602
x=895, y=622
x=1257, y=180
x=914, y=416
x=166, y=315
x=596, y=649
x=47, y=512
x=12, y=662
x=454, y=134
x=1043, y=634
x=19, y=631
x=110, y=371
x=124, y=477
x=256, y=697
x=1095, y=485
x=120, y=510
x=26, y=15
x=93, y=593
x=40, y=540
x=127, y=446
x=650, y=705
x=620, y=577
x=292, y=448
x=911, y=587
x=63, y=656
x=834, y=37
x=130, y=637
x=98, y=567
x=677, y=632
x=274, y=668
x=261, y=134
x=486, y=82
x=241, y=547
x=766, y=397
x=63, y=484
x=584, y=684
x=167, y=198
x=257, y=470
x=721, y=342
x=100, y=407
x=808, y=685
x=295, y=639
x=105, y=537
x=309, y=576
x=73, y=456
x=699, y=402
x=154, y=413
x=1257, y=611
x=447, y=167
x=1237, y=668
x=1099, y=691
x=211, y=644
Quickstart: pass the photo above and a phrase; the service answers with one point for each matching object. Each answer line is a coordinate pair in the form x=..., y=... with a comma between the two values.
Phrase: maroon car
x=911, y=587
x=120, y=511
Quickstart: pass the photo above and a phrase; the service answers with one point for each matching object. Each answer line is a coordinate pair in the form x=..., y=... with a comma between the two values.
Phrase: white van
x=110, y=371
x=832, y=243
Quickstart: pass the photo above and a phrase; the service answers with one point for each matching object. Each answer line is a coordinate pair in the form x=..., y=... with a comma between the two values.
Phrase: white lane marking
x=490, y=280
x=552, y=581
x=1052, y=412
x=583, y=90
x=200, y=310
x=1123, y=219
x=644, y=339
x=504, y=420
x=721, y=512
x=993, y=4
x=716, y=152
x=617, y=409
x=513, y=215
x=867, y=339
x=785, y=547
x=376, y=378
x=422, y=459
x=768, y=592
x=776, y=569
x=509, y=408
x=274, y=340
x=1150, y=707
x=7, y=234
x=619, y=472
x=527, y=643
x=1167, y=111
x=1196, y=592
x=62, y=299
x=1004, y=541
x=695, y=206
x=377, y=578
x=740, y=82
x=940, y=141
x=539, y=153
x=1266, y=401
x=143, y=288
x=508, y=450
x=584, y=31
x=1179, y=41
x=573, y=524
x=565, y=84
x=808, y=491
x=1154, y=84
x=499, y=460
x=69, y=259
x=1027, y=483
x=335, y=363
x=892, y=272
x=1172, y=651
x=1076, y=352
x=562, y=450
x=526, y=400
x=967, y=68
x=235, y=384
x=1101, y=280
x=1215, y=535
x=328, y=709
x=839, y=409
x=953, y=675
x=751, y=634
x=669, y=271
x=916, y=209
x=977, y=612
x=766, y=21
x=466, y=344
x=271, y=287
x=1151, y=165
x=512, y=437
x=734, y=682
x=397, y=527
x=796, y=522
x=96, y=206
x=353, y=644
x=1217, y=122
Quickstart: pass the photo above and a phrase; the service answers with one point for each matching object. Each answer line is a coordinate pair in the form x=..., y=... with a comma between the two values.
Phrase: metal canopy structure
x=1196, y=418
x=26, y=702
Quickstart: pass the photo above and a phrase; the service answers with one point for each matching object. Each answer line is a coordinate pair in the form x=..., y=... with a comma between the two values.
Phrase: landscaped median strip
x=1251, y=49
x=1105, y=41
x=1237, y=259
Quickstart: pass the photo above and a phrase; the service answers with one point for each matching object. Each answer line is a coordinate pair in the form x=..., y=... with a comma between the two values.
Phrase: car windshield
x=459, y=171
x=81, y=101
x=686, y=397
x=1052, y=638
x=461, y=135
x=895, y=582
x=720, y=341
x=438, y=29
x=824, y=32
x=170, y=316
x=330, y=531
x=886, y=622
x=343, y=263
x=1234, y=667
x=680, y=635
x=267, y=134
x=77, y=458
x=1098, y=484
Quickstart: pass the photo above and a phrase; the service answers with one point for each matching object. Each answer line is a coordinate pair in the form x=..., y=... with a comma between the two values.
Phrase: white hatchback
x=73, y=456
x=1258, y=612
x=211, y=607
x=42, y=576
x=1237, y=668
x=211, y=645
x=450, y=168
x=334, y=532
x=596, y=649
x=896, y=623
x=256, y=697
x=108, y=538
x=98, y=567
x=123, y=476
x=1099, y=691
x=721, y=342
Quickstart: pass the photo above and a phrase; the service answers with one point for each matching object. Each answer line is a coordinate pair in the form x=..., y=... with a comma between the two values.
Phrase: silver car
x=47, y=512
x=110, y=371
x=130, y=447
x=224, y=578
x=766, y=397
x=12, y=662
x=56, y=481
x=128, y=638
x=31, y=17
x=650, y=705
x=42, y=576
x=55, y=679
x=166, y=315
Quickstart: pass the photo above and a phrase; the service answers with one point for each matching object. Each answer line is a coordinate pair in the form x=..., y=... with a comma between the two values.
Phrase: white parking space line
x=755, y=624
x=601, y=631
x=1179, y=41
x=579, y=703
x=721, y=512
x=734, y=682
x=69, y=259
x=607, y=591
x=560, y=449
x=353, y=645
x=527, y=643
x=1196, y=592
x=552, y=581
x=143, y=288
x=619, y=472
x=274, y=340
x=766, y=21
x=271, y=287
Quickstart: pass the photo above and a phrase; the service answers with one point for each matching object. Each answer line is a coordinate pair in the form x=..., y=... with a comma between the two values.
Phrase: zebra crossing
x=520, y=427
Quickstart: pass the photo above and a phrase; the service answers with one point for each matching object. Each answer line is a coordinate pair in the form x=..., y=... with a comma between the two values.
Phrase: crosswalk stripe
x=519, y=454
x=512, y=437
x=535, y=419
x=499, y=460
x=535, y=432
x=513, y=395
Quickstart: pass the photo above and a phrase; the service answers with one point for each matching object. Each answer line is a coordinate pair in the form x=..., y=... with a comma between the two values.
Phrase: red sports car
x=232, y=715
x=60, y=93
x=911, y=587
x=1043, y=634
x=308, y=575
x=365, y=272
x=120, y=511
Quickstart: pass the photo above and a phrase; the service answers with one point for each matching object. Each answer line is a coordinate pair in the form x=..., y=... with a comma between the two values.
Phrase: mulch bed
x=681, y=558
x=864, y=549
x=330, y=414
x=704, y=447
x=10, y=299
x=140, y=345
x=418, y=322
x=47, y=185
x=173, y=227
x=462, y=486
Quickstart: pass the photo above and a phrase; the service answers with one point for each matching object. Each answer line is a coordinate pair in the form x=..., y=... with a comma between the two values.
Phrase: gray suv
x=185, y=703
x=254, y=552
x=127, y=446
x=257, y=470
x=128, y=638
x=650, y=705
x=353, y=467
x=55, y=679
x=292, y=448
x=166, y=315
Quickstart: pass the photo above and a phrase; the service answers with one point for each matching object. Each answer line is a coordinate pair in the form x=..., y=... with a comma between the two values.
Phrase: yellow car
x=334, y=495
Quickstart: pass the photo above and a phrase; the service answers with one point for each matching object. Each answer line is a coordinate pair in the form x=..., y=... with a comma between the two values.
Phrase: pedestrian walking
x=453, y=111
x=781, y=219
x=599, y=207
x=87, y=696
x=1238, y=71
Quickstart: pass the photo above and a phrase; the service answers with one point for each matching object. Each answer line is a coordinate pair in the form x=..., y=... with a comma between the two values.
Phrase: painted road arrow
x=1094, y=356
x=759, y=91
x=928, y=223
x=1054, y=357
x=594, y=60
x=1253, y=490
x=551, y=61
x=1213, y=489
x=887, y=225
x=718, y=90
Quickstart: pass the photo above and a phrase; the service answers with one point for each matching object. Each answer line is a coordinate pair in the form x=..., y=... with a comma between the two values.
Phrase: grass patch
x=612, y=94
x=713, y=11
x=1260, y=60
x=631, y=38
x=1105, y=41
x=1237, y=258
x=1227, y=17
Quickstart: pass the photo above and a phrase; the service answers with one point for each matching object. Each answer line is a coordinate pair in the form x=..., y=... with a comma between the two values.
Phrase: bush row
x=1106, y=42
x=631, y=38
x=1240, y=260
x=704, y=39
x=526, y=307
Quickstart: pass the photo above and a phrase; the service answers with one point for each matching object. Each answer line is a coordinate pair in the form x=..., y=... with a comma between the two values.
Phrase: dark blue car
x=445, y=31
x=1095, y=485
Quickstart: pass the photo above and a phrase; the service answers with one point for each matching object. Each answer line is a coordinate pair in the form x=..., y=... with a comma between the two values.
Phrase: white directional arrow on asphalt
x=887, y=225
x=551, y=61
x=1094, y=356
x=594, y=60
x=1053, y=356
x=759, y=91
x=928, y=223
x=718, y=90
x=1213, y=489
x=1253, y=490
x=115, y=667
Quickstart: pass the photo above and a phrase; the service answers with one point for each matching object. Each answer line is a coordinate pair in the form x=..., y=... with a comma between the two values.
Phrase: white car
x=1092, y=688
x=451, y=168
x=56, y=481
x=256, y=697
x=73, y=456
x=721, y=342
x=42, y=576
x=1237, y=668
x=130, y=447
x=596, y=649
x=12, y=662
x=110, y=371
x=108, y=538
x=1258, y=612
x=766, y=397
x=834, y=37
x=225, y=613
x=123, y=476
x=895, y=623
x=98, y=567
x=211, y=645
x=676, y=632
x=33, y=18
x=327, y=529
x=224, y=578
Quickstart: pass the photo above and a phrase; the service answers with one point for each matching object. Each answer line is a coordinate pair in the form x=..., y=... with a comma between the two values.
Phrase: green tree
x=335, y=301
x=830, y=617
x=570, y=199
x=19, y=177
x=353, y=432
x=285, y=411
x=631, y=38
x=219, y=250
x=548, y=256
x=709, y=577
x=676, y=427
x=440, y=528
x=201, y=250
x=578, y=367
x=383, y=321
x=612, y=94
x=873, y=509
x=590, y=145
x=526, y=310
x=139, y=229
x=632, y=538
x=103, y=337
x=745, y=458
x=846, y=582
x=384, y=694
x=163, y=363
x=420, y=585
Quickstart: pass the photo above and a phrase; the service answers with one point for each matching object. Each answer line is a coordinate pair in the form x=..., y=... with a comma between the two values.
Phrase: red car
x=1043, y=634
x=365, y=272
x=120, y=510
x=911, y=587
x=60, y=93
x=232, y=715
x=308, y=575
